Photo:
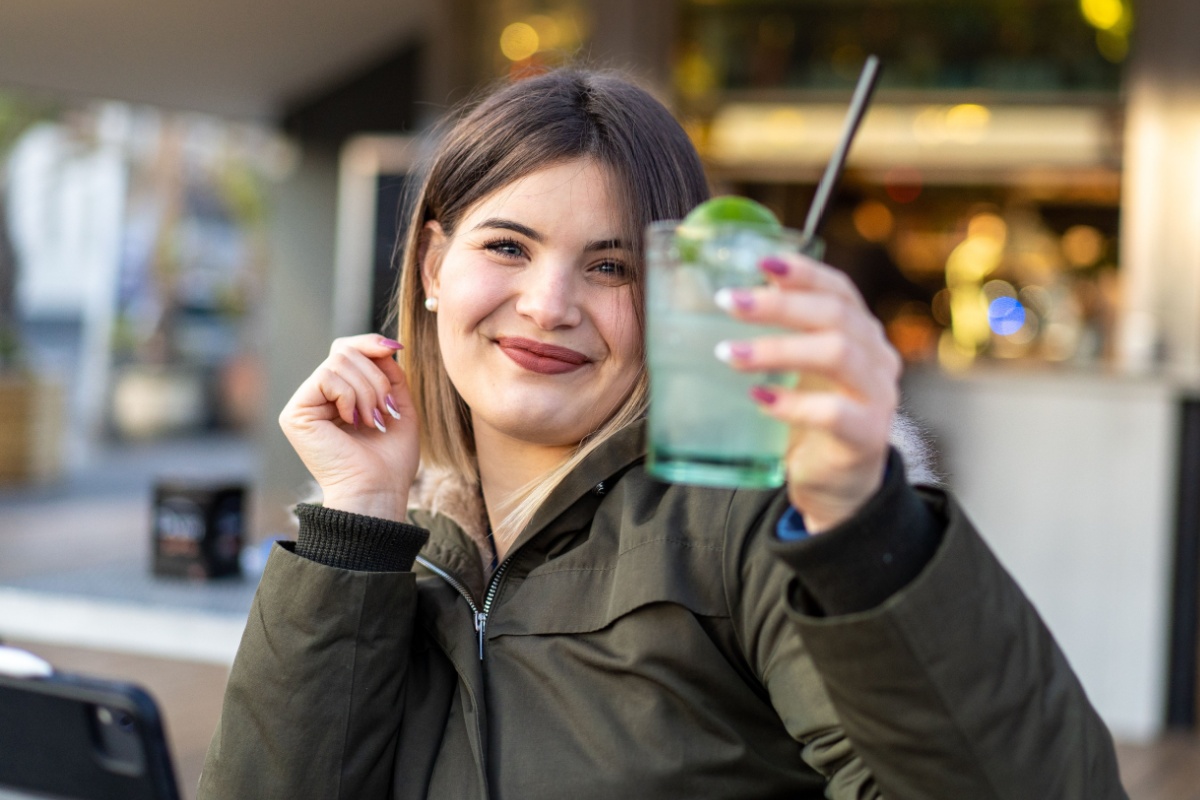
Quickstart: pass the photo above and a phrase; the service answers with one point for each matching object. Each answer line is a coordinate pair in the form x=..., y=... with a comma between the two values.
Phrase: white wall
x=1071, y=480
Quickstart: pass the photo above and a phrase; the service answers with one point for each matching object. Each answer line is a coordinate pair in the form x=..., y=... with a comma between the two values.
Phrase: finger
x=860, y=425
x=387, y=380
x=380, y=350
x=398, y=401
x=801, y=272
x=325, y=396
x=870, y=371
x=390, y=369
x=799, y=310
x=370, y=344
x=370, y=385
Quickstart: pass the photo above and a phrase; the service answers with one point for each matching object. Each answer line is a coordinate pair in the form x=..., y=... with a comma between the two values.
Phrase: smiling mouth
x=545, y=359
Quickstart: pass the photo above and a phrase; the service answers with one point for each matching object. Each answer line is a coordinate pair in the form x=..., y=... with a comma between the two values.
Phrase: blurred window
x=1020, y=46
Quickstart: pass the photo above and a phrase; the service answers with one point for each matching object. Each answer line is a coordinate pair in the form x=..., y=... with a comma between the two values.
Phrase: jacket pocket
x=587, y=590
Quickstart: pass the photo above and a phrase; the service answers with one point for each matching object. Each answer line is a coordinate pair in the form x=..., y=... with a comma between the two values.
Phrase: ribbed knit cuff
x=869, y=557
x=353, y=541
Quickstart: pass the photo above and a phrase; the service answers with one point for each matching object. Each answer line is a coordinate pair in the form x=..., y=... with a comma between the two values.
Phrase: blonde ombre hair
x=521, y=128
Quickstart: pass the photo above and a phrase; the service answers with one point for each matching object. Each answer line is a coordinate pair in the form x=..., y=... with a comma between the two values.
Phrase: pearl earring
x=431, y=304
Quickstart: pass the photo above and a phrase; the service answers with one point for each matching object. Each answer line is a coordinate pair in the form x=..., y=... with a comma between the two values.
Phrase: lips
x=545, y=359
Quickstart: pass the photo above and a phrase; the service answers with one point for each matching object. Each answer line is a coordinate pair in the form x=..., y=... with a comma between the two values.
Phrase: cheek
x=623, y=331
x=468, y=297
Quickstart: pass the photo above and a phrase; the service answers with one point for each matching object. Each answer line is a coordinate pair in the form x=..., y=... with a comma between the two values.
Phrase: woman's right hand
x=333, y=422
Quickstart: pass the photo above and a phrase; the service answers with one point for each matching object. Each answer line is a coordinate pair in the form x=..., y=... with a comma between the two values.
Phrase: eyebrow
x=530, y=233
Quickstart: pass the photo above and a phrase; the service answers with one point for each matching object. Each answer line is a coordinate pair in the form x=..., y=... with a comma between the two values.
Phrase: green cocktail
x=704, y=428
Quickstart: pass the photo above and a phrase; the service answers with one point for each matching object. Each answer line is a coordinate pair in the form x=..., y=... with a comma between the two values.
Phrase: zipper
x=458, y=586
x=480, y=615
x=489, y=597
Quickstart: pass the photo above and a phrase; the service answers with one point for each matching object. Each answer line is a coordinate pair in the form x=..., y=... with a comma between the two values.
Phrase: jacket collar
x=623, y=449
x=441, y=496
x=443, y=493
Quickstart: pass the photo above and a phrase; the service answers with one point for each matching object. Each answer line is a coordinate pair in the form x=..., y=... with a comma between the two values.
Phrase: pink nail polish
x=762, y=394
x=392, y=343
x=391, y=407
x=378, y=420
x=357, y=419
x=730, y=352
x=734, y=299
x=774, y=265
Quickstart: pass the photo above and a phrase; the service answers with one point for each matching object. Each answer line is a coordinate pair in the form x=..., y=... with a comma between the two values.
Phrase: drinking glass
x=704, y=428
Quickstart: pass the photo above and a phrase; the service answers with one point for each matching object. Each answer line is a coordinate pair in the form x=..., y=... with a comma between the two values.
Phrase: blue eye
x=506, y=248
x=612, y=272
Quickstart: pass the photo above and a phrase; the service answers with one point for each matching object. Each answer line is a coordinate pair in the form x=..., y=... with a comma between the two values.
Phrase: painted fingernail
x=379, y=420
x=762, y=394
x=391, y=407
x=734, y=299
x=392, y=343
x=357, y=419
x=774, y=265
x=733, y=351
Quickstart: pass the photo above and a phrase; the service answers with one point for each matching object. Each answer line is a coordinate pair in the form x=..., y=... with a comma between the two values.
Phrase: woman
x=573, y=628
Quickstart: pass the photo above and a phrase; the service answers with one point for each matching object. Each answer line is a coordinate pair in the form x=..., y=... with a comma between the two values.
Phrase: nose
x=549, y=297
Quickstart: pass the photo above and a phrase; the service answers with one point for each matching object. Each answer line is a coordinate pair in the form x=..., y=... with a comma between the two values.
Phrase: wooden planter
x=32, y=416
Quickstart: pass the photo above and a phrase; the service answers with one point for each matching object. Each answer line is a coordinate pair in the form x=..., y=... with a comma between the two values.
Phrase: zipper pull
x=480, y=627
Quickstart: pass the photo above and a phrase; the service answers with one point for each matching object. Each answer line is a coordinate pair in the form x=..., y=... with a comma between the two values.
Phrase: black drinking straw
x=858, y=107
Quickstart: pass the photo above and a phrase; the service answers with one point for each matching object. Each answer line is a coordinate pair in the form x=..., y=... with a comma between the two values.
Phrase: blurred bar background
x=196, y=197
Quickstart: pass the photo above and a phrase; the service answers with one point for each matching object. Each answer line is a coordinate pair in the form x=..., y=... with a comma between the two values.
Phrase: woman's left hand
x=841, y=411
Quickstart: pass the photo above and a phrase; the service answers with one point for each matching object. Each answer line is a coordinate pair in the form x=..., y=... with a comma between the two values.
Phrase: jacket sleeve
x=951, y=686
x=756, y=584
x=315, y=695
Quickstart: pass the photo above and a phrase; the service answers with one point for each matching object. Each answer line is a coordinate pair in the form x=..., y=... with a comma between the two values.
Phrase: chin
x=549, y=434
x=556, y=427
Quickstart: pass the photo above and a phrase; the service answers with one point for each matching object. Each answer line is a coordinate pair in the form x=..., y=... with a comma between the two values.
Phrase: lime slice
x=721, y=213
x=731, y=210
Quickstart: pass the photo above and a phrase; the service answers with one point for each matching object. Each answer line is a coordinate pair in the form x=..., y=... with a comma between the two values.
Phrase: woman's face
x=535, y=314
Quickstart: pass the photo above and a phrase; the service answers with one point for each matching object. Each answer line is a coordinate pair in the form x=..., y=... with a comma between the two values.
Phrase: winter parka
x=648, y=641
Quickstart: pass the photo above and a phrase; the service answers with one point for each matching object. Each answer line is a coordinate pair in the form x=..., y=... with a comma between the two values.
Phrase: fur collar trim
x=441, y=491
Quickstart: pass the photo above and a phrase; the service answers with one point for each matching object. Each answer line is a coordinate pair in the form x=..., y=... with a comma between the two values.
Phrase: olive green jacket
x=646, y=641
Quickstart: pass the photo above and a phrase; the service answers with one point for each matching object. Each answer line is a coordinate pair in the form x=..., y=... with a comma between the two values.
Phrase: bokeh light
x=987, y=225
x=519, y=41
x=1082, y=245
x=940, y=308
x=929, y=126
x=1036, y=299
x=874, y=221
x=954, y=356
x=1113, y=45
x=549, y=32
x=972, y=260
x=912, y=332
x=1102, y=14
x=695, y=76
x=1006, y=315
x=903, y=184
x=968, y=122
x=969, y=314
x=995, y=289
x=1113, y=21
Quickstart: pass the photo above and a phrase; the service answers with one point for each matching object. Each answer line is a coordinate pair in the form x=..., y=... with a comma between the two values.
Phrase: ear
x=430, y=246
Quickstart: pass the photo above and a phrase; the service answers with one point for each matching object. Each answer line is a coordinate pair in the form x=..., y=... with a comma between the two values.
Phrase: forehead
x=579, y=192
